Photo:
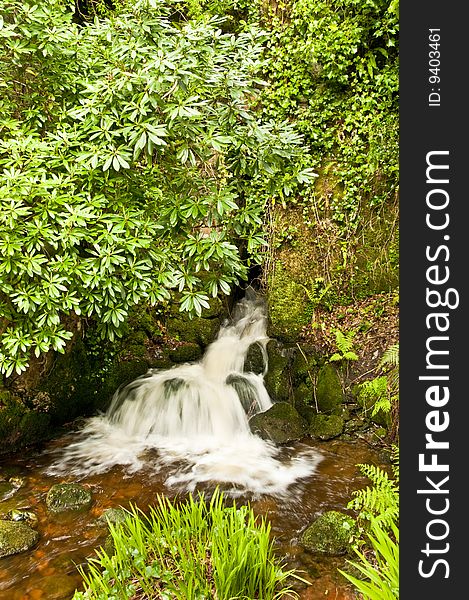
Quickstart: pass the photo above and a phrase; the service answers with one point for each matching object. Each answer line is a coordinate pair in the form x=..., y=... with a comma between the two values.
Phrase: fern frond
x=383, y=404
x=390, y=357
x=374, y=389
x=344, y=341
x=379, y=503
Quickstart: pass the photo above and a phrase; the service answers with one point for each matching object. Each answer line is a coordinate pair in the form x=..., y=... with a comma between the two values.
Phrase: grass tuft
x=196, y=550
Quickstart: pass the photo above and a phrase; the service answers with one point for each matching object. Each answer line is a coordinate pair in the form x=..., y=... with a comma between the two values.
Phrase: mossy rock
x=288, y=306
x=16, y=537
x=58, y=587
x=197, y=331
x=331, y=534
x=21, y=426
x=281, y=423
x=254, y=362
x=277, y=378
x=329, y=394
x=187, y=352
x=24, y=516
x=64, y=497
x=68, y=384
x=245, y=392
x=326, y=427
x=304, y=365
x=120, y=373
x=113, y=515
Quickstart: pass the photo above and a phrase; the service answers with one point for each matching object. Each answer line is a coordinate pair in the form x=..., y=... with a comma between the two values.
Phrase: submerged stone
x=280, y=424
x=331, y=533
x=326, y=427
x=7, y=490
x=23, y=516
x=245, y=391
x=16, y=537
x=113, y=515
x=59, y=587
x=64, y=497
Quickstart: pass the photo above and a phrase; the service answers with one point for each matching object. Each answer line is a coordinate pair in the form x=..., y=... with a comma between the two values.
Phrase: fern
x=379, y=509
x=376, y=391
x=390, y=357
x=379, y=503
x=344, y=345
x=390, y=363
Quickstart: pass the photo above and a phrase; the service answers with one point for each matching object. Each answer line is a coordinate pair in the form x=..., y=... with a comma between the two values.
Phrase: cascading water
x=194, y=421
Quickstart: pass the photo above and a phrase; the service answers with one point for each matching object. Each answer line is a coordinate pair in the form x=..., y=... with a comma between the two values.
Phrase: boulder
x=329, y=394
x=254, y=362
x=16, y=537
x=326, y=427
x=64, y=497
x=277, y=378
x=281, y=423
x=331, y=533
x=113, y=515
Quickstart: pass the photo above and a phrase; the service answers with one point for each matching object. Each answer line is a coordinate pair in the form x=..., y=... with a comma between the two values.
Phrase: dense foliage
x=334, y=71
x=198, y=549
x=132, y=165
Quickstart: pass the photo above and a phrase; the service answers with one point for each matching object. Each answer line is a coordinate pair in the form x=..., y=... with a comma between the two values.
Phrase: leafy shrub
x=195, y=550
x=132, y=165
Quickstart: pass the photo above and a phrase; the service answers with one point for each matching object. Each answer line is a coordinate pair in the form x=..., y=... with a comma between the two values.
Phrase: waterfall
x=193, y=421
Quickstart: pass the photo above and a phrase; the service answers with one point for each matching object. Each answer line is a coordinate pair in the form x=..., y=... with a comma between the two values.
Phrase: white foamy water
x=193, y=421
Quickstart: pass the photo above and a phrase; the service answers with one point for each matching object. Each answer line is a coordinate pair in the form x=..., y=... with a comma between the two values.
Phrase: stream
x=48, y=571
x=174, y=432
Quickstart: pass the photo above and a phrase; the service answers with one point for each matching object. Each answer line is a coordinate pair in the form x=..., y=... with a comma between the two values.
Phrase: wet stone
x=16, y=537
x=23, y=516
x=331, y=533
x=326, y=427
x=7, y=490
x=64, y=497
x=59, y=587
x=280, y=424
x=113, y=515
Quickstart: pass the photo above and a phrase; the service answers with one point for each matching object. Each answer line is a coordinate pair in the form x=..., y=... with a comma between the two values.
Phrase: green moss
x=64, y=497
x=331, y=533
x=280, y=424
x=329, y=394
x=287, y=306
x=16, y=537
x=185, y=353
x=326, y=427
x=197, y=331
x=19, y=425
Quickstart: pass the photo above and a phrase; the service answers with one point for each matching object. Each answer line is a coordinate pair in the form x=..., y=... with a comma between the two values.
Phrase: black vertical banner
x=434, y=337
